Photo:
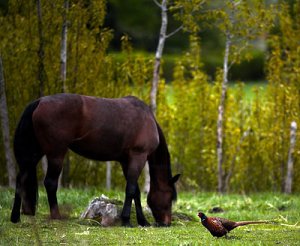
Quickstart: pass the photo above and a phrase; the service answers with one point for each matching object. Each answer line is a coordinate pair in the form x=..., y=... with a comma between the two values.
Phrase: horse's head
x=160, y=200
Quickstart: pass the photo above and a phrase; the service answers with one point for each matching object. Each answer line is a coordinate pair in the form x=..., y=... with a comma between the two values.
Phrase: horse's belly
x=98, y=151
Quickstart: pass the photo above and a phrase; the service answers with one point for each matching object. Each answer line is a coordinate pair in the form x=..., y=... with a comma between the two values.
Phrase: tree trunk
x=41, y=53
x=108, y=175
x=158, y=54
x=220, y=121
x=64, y=177
x=155, y=80
x=63, y=47
x=41, y=68
x=290, y=164
x=10, y=164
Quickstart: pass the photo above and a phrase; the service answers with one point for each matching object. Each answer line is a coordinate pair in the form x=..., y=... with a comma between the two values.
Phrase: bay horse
x=102, y=129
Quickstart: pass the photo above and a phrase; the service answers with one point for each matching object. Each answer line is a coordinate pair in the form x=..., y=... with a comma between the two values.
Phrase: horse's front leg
x=139, y=211
x=133, y=193
x=129, y=195
x=51, y=184
x=132, y=170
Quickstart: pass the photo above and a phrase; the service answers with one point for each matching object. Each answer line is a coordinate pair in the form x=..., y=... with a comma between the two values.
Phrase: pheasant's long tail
x=242, y=223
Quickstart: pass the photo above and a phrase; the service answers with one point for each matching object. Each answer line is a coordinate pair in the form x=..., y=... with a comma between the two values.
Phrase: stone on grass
x=103, y=209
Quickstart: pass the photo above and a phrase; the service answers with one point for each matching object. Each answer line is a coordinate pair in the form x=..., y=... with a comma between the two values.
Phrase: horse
x=104, y=129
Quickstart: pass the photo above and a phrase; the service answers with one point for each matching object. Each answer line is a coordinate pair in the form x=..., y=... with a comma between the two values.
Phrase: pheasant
x=219, y=227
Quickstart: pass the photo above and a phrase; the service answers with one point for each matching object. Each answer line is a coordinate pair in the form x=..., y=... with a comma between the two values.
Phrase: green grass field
x=283, y=210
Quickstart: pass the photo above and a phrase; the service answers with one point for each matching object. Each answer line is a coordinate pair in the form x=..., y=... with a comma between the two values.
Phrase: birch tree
x=240, y=22
x=156, y=70
x=41, y=66
x=108, y=175
x=159, y=53
x=290, y=163
x=63, y=76
x=63, y=47
x=10, y=164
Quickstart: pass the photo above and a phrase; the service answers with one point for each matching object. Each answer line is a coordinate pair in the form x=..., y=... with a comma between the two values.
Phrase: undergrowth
x=282, y=210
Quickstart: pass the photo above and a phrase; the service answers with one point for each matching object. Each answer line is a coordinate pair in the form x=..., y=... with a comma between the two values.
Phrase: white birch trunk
x=63, y=74
x=221, y=110
x=10, y=164
x=290, y=164
x=41, y=68
x=63, y=48
x=155, y=80
x=158, y=54
x=108, y=175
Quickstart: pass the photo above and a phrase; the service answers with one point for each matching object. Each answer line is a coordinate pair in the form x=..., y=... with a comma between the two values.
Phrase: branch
x=237, y=3
x=175, y=31
x=239, y=52
x=157, y=3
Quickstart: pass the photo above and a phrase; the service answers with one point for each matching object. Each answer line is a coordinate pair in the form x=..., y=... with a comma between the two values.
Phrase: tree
x=290, y=163
x=156, y=70
x=41, y=66
x=10, y=164
x=283, y=77
x=63, y=47
x=240, y=22
x=63, y=75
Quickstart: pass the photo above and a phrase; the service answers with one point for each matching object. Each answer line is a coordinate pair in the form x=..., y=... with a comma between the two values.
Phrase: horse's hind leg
x=15, y=213
x=51, y=183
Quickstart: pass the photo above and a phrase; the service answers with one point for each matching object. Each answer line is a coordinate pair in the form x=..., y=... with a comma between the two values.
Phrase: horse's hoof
x=161, y=224
x=55, y=217
x=144, y=223
x=29, y=212
x=127, y=224
x=15, y=218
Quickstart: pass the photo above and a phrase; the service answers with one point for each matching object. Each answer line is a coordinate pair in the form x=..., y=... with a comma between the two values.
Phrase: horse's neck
x=159, y=175
x=159, y=164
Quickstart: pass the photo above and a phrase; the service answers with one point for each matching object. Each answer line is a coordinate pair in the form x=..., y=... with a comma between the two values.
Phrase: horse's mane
x=160, y=160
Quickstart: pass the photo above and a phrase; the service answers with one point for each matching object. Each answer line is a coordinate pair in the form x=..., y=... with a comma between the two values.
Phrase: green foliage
x=284, y=77
x=90, y=70
x=256, y=130
x=189, y=13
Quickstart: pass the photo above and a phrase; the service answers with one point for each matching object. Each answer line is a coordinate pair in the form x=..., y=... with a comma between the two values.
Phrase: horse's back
x=116, y=126
x=98, y=128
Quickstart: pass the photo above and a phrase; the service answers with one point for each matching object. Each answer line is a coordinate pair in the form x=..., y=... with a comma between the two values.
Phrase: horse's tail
x=27, y=153
x=160, y=161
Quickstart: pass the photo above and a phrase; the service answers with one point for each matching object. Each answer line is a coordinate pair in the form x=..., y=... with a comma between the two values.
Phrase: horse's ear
x=175, y=178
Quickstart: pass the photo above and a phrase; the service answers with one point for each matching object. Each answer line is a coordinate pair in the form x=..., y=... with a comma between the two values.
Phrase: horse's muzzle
x=162, y=224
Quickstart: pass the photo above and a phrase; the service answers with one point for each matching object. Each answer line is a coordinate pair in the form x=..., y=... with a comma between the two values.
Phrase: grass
x=284, y=210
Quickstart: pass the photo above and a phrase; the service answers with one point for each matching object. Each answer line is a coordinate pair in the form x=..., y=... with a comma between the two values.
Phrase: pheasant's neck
x=204, y=218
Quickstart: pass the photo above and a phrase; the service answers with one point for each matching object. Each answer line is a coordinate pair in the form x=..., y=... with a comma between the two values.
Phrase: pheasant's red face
x=202, y=216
